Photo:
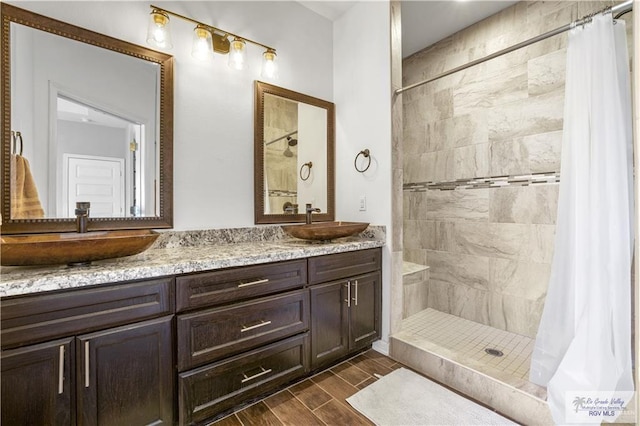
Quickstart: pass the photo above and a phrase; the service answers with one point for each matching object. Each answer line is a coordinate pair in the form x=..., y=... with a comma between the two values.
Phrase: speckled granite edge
x=179, y=256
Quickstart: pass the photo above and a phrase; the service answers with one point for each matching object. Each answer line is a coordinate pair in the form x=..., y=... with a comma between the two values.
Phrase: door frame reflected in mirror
x=261, y=217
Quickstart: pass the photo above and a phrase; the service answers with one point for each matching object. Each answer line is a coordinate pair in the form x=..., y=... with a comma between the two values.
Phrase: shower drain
x=494, y=352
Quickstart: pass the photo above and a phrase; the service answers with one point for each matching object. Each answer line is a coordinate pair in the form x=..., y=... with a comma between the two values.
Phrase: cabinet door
x=125, y=375
x=329, y=323
x=364, y=315
x=36, y=384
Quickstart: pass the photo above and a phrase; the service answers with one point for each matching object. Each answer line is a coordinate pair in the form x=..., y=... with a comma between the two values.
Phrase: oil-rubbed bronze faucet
x=309, y=211
x=82, y=216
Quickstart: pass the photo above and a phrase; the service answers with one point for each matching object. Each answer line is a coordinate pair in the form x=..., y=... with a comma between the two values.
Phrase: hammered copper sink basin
x=325, y=230
x=73, y=248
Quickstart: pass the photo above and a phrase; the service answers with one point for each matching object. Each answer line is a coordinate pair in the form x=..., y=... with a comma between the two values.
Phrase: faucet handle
x=82, y=207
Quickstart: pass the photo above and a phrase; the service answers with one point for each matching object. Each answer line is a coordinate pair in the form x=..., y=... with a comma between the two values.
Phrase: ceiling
x=424, y=22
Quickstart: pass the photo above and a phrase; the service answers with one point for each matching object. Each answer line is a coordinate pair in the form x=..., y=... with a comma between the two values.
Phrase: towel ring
x=308, y=165
x=366, y=154
x=16, y=136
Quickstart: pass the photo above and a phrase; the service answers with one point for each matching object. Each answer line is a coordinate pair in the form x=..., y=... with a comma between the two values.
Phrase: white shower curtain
x=583, y=346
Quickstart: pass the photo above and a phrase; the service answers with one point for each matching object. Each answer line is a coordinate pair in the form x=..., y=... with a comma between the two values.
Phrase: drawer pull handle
x=262, y=281
x=252, y=327
x=255, y=376
x=86, y=364
x=61, y=371
x=348, y=299
x=356, y=287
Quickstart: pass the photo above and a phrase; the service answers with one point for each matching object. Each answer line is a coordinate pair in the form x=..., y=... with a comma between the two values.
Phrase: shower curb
x=502, y=397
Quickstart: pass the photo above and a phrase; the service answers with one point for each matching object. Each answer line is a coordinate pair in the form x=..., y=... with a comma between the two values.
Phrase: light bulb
x=237, y=54
x=202, y=44
x=269, y=66
x=158, y=32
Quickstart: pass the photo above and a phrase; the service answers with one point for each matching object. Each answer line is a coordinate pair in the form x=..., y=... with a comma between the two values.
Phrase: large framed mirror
x=294, y=138
x=86, y=118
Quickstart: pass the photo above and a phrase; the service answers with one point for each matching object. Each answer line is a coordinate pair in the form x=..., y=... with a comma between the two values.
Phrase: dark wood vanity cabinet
x=185, y=349
x=241, y=332
x=345, y=312
x=113, y=366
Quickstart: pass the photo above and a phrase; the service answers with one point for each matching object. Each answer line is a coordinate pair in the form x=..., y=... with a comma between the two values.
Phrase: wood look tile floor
x=320, y=399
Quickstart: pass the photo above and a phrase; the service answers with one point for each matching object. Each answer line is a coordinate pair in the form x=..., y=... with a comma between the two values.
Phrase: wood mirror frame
x=164, y=218
x=262, y=89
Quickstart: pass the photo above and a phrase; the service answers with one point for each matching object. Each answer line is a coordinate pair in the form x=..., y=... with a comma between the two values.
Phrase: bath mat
x=406, y=398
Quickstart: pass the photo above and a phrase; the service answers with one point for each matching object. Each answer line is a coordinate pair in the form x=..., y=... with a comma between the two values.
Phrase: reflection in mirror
x=296, y=134
x=101, y=162
x=294, y=155
x=85, y=143
x=94, y=118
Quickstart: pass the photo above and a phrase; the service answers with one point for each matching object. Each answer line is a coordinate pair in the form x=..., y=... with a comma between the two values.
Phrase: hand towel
x=25, y=203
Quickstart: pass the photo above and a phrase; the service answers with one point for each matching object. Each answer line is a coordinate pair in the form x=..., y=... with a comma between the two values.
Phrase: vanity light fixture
x=238, y=54
x=208, y=39
x=269, y=65
x=202, y=44
x=158, y=32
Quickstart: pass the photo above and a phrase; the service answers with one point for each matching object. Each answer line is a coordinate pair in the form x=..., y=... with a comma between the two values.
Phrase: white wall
x=213, y=104
x=362, y=94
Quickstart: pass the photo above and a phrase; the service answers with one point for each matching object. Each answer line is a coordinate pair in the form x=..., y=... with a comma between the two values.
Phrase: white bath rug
x=404, y=398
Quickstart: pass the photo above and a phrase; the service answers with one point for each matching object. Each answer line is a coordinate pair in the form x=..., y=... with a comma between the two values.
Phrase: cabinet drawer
x=209, y=335
x=208, y=390
x=31, y=319
x=343, y=265
x=230, y=285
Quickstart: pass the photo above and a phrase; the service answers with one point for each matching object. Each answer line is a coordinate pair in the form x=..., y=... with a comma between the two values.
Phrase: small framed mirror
x=87, y=118
x=294, y=136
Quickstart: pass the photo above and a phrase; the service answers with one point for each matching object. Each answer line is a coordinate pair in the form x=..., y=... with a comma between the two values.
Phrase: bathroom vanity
x=180, y=335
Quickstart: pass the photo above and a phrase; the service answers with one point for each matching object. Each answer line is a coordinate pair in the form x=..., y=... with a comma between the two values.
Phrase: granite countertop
x=171, y=259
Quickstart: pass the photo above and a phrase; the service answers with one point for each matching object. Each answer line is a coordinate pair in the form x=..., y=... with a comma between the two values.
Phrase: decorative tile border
x=282, y=193
x=485, y=182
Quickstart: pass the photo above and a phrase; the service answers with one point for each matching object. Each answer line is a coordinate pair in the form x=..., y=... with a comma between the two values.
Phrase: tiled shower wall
x=489, y=250
x=281, y=118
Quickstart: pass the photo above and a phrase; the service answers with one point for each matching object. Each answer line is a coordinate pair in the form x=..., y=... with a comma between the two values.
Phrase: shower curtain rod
x=619, y=9
x=281, y=137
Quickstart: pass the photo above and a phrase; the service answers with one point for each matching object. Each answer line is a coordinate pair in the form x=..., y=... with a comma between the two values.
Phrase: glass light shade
x=237, y=54
x=159, y=30
x=202, y=44
x=269, y=65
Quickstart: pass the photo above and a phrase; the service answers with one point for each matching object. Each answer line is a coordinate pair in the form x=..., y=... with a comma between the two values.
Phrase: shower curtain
x=583, y=347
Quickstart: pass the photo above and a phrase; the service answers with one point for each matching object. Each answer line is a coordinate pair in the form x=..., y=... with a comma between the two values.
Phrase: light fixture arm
x=220, y=36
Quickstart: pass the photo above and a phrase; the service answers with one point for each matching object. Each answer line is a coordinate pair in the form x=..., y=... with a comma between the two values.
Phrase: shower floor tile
x=464, y=341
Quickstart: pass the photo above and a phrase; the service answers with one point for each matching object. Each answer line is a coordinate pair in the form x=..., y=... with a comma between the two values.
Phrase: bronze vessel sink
x=325, y=230
x=72, y=248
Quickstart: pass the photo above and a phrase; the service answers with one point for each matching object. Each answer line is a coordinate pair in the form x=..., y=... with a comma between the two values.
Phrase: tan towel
x=25, y=203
